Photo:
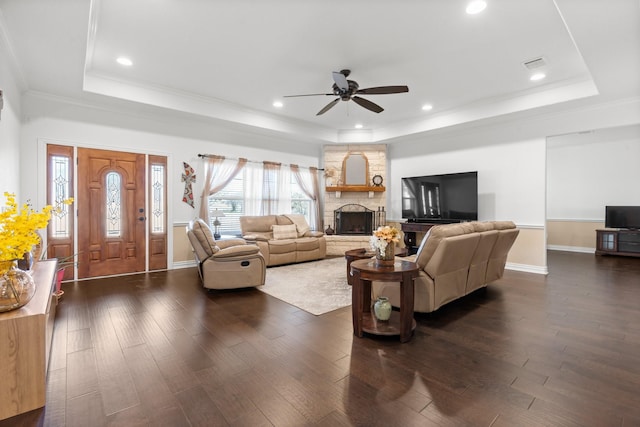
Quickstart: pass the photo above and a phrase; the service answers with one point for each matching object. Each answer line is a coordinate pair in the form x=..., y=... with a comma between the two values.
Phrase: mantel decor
x=355, y=169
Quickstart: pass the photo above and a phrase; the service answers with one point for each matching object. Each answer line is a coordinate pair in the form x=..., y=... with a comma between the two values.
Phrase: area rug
x=317, y=287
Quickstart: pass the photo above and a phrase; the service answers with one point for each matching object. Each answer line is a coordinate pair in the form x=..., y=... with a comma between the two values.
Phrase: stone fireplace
x=356, y=225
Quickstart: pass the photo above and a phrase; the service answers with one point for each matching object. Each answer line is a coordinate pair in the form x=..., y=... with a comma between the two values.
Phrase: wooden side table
x=364, y=271
x=362, y=253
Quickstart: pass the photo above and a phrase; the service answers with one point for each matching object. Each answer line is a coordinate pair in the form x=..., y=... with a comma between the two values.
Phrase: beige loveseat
x=455, y=260
x=225, y=264
x=283, y=239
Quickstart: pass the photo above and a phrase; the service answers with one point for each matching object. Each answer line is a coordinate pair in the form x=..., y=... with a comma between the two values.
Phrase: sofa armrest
x=234, y=251
x=255, y=238
x=223, y=244
x=313, y=234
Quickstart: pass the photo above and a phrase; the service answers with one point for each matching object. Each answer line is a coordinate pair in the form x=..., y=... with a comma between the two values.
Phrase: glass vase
x=16, y=287
x=382, y=309
x=386, y=258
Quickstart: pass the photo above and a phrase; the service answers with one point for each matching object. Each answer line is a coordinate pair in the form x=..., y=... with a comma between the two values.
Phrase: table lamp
x=216, y=223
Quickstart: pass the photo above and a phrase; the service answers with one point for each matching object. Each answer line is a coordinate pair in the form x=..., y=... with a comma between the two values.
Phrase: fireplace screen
x=354, y=219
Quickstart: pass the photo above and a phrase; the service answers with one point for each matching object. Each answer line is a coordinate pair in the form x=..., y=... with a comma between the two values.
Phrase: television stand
x=623, y=242
x=410, y=229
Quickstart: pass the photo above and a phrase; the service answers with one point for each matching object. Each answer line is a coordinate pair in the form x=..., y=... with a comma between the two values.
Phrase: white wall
x=511, y=183
x=509, y=154
x=9, y=129
x=504, y=173
x=587, y=171
x=51, y=121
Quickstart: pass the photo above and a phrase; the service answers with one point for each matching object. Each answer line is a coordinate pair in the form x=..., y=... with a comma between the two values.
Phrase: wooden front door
x=111, y=213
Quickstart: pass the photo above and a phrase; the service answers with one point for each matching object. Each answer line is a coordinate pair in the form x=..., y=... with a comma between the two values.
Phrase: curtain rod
x=252, y=161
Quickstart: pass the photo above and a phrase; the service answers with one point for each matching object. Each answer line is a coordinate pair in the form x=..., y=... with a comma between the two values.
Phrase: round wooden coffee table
x=364, y=272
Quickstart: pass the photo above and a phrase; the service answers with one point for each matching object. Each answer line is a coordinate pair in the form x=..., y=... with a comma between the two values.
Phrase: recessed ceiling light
x=124, y=61
x=537, y=76
x=359, y=126
x=476, y=6
x=278, y=104
x=427, y=107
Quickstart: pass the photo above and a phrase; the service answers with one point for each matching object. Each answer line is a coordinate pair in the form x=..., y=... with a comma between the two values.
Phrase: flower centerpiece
x=18, y=235
x=18, y=230
x=383, y=243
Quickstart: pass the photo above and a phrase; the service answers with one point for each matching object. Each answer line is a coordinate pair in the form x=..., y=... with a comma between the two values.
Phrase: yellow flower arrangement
x=18, y=227
x=383, y=236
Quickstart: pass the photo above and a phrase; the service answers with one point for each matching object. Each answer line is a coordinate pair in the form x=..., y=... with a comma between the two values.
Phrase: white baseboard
x=536, y=269
x=579, y=249
x=184, y=264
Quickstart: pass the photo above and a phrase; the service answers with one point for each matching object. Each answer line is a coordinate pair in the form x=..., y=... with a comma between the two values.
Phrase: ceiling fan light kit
x=346, y=90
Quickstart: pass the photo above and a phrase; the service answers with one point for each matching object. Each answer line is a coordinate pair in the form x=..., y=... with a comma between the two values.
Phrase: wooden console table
x=364, y=272
x=25, y=341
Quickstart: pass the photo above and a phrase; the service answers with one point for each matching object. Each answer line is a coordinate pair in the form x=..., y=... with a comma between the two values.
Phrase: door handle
x=141, y=218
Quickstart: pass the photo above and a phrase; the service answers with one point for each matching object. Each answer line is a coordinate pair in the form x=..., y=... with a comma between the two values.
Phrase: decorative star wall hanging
x=188, y=177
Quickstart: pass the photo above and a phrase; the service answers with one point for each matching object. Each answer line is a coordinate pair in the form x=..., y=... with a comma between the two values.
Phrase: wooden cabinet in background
x=618, y=242
x=410, y=229
x=25, y=342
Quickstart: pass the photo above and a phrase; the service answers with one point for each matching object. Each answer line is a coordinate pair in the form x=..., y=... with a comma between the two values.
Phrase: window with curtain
x=243, y=196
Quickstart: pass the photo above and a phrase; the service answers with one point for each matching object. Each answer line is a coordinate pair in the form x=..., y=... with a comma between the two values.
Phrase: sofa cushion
x=300, y=222
x=437, y=234
x=307, y=243
x=282, y=246
x=202, y=232
x=281, y=232
x=503, y=225
x=251, y=224
x=482, y=226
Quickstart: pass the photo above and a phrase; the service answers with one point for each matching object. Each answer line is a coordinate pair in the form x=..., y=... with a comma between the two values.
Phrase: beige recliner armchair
x=225, y=264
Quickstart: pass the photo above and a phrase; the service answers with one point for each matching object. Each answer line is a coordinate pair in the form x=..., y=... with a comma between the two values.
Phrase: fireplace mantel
x=338, y=189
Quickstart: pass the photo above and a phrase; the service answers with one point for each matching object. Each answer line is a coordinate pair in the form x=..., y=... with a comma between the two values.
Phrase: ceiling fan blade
x=367, y=104
x=341, y=80
x=310, y=94
x=383, y=90
x=328, y=106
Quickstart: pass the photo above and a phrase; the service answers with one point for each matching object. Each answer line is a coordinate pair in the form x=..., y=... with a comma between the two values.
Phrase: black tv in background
x=622, y=217
x=446, y=198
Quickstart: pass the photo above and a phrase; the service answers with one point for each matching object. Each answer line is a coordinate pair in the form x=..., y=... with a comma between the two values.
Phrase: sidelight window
x=60, y=190
x=113, y=204
x=157, y=199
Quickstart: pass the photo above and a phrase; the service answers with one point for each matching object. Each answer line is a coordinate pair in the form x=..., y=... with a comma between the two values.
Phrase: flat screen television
x=445, y=198
x=622, y=217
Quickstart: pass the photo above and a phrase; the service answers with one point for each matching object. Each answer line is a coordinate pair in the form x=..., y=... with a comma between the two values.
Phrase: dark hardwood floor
x=157, y=349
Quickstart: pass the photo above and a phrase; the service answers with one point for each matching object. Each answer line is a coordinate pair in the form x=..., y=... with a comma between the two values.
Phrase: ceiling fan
x=348, y=90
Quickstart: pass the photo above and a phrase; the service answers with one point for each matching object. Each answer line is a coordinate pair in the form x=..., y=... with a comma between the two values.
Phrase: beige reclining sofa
x=225, y=264
x=455, y=260
x=283, y=239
